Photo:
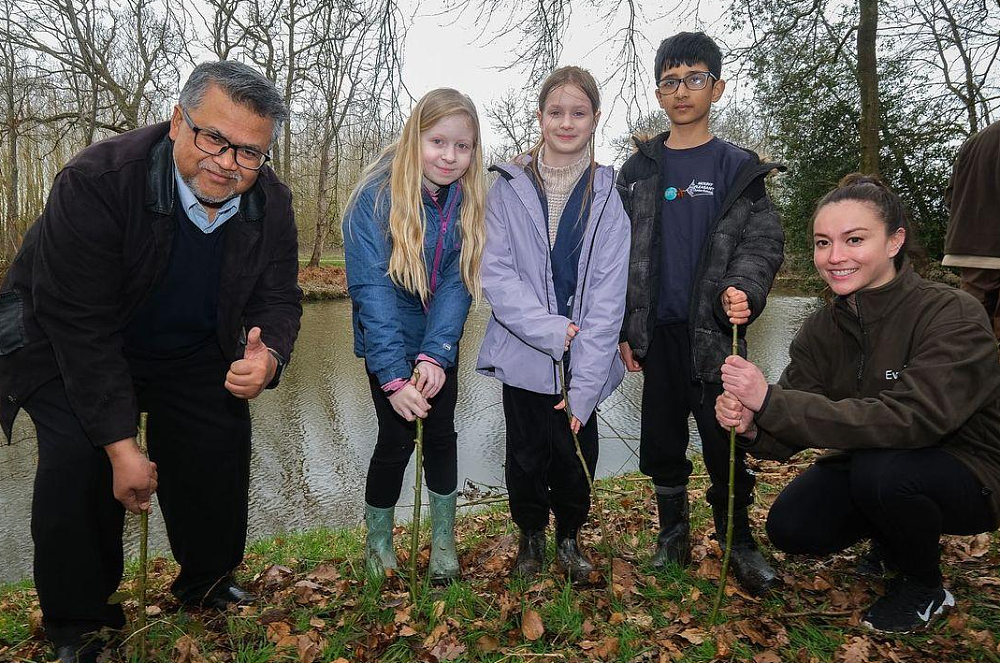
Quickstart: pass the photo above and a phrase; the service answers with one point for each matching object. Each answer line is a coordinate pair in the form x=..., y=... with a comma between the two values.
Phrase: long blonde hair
x=407, y=218
x=584, y=80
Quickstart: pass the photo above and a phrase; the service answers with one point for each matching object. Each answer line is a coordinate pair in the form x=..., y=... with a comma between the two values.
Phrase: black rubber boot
x=673, y=543
x=530, y=553
x=570, y=557
x=749, y=567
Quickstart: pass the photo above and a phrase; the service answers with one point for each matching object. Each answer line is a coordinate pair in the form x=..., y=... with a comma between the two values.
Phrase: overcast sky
x=446, y=50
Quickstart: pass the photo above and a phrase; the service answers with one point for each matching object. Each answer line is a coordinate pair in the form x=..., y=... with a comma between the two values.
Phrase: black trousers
x=395, y=445
x=669, y=395
x=199, y=437
x=542, y=469
x=905, y=500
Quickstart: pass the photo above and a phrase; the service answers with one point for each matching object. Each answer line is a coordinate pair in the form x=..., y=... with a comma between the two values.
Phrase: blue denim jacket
x=391, y=325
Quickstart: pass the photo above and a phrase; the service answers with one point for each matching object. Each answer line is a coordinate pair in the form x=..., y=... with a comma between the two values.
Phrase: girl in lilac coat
x=554, y=270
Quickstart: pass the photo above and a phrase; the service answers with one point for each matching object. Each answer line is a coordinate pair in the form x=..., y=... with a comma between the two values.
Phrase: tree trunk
x=322, y=200
x=868, y=86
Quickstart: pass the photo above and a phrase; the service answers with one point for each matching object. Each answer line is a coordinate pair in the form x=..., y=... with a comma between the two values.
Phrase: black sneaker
x=908, y=605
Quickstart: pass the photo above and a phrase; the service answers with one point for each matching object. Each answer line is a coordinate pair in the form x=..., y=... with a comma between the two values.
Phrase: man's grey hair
x=242, y=84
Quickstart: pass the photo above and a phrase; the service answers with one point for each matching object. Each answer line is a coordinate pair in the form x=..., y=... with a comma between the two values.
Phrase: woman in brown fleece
x=897, y=375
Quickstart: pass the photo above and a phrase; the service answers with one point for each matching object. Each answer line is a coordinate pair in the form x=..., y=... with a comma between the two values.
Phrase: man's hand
x=409, y=403
x=247, y=377
x=431, y=378
x=736, y=305
x=571, y=332
x=134, y=475
x=744, y=381
x=631, y=364
x=574, y=423
x=730, y=412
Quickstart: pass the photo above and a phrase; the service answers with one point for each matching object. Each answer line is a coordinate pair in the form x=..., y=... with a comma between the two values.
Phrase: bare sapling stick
x=143, y=551
x=605, y=538
x=418, y=443
x=727, y=552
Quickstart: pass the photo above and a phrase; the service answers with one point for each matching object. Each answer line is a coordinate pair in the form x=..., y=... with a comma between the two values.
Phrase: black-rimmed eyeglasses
x=693, y=81
x=212, y=143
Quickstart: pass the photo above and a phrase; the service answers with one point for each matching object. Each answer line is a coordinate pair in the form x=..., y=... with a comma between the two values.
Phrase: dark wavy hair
x=887, y=205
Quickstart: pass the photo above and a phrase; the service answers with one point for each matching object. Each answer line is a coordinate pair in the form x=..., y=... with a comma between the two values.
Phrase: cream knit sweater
x=559, y=183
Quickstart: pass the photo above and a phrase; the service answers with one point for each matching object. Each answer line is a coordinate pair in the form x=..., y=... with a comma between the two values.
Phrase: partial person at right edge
x=706, y=245
x=898, y=377
x=972, y=243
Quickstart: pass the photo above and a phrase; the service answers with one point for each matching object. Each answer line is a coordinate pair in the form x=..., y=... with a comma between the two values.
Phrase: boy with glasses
x=706, y=244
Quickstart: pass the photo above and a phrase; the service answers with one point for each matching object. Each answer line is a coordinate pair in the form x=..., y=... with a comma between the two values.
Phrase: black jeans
x=395, y=445
x=904, y=499
x=669, y=395
x=199, y=438
x=542, y=468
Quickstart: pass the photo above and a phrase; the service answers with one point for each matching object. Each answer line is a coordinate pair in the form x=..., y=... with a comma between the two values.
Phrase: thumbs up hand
x=247, y=377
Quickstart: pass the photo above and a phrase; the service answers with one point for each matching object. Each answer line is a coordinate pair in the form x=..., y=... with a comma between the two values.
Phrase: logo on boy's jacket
x=700, y=189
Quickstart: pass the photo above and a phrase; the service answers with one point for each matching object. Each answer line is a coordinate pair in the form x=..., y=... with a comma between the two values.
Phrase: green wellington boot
x=444, y=561
x=379, y=553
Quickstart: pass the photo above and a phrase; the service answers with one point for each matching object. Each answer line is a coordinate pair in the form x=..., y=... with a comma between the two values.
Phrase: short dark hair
x=688, y=48
x=889, y=207
x=244, y=85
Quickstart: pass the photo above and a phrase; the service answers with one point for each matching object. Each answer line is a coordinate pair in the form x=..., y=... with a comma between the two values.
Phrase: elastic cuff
x=423, y=357
x=393, y=386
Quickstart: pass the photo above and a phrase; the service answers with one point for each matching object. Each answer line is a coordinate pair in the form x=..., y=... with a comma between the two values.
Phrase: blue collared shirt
x=196, y=211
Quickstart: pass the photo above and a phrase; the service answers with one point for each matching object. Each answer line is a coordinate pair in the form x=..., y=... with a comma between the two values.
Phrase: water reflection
x=313, y=436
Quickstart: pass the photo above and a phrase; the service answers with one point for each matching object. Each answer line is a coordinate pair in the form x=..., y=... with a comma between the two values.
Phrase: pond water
x=314, y=435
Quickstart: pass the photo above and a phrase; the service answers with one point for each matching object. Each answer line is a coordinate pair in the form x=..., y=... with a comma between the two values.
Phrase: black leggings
x=543, y=471
x=395, y=445
x=905, y=500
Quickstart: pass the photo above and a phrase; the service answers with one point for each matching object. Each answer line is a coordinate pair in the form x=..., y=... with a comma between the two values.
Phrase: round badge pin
x=670, y=193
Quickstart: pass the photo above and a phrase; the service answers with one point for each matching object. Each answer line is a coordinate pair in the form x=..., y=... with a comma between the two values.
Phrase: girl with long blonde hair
x=414, y=234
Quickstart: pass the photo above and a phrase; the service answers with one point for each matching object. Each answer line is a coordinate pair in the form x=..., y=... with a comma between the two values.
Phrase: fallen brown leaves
x=324, y=613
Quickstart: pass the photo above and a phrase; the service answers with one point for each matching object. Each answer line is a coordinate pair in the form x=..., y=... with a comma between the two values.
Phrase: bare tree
x=341, y=72
x=958, y=40
x=514, y=118
x=867, y=72
x=120, y=63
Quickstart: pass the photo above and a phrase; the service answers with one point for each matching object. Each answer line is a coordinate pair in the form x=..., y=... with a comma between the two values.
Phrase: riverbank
x=323, y=282
x=318, y=607
x=796, y=276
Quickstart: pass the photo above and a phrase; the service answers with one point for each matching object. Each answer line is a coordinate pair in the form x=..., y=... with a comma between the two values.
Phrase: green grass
x=664, y=614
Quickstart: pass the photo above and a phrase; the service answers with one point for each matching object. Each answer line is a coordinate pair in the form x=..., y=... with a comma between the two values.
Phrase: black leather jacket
x=96, y=253
x=744, y=249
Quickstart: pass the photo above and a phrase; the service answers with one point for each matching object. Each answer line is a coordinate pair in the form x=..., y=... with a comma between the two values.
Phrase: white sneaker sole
x=947, y=603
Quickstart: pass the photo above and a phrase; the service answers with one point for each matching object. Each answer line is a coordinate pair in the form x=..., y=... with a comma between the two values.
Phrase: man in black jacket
x=706, y=244
x=161, y=278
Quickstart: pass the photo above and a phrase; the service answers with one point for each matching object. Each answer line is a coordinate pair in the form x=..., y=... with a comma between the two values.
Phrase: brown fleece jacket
x=914, y=366
x=973, y=197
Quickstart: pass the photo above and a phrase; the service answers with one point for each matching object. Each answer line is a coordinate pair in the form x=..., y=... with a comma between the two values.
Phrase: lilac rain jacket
x=525, y=336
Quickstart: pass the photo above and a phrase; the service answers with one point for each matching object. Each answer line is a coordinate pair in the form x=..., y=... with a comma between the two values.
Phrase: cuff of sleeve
x=279, y=371
x=767, y=399
x=581, y=411
x=426, y=357
x=399, y=369
x=392, y=387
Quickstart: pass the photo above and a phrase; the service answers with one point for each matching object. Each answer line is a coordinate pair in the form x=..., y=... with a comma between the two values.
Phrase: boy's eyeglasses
x=694, y=81
x=212, y=143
